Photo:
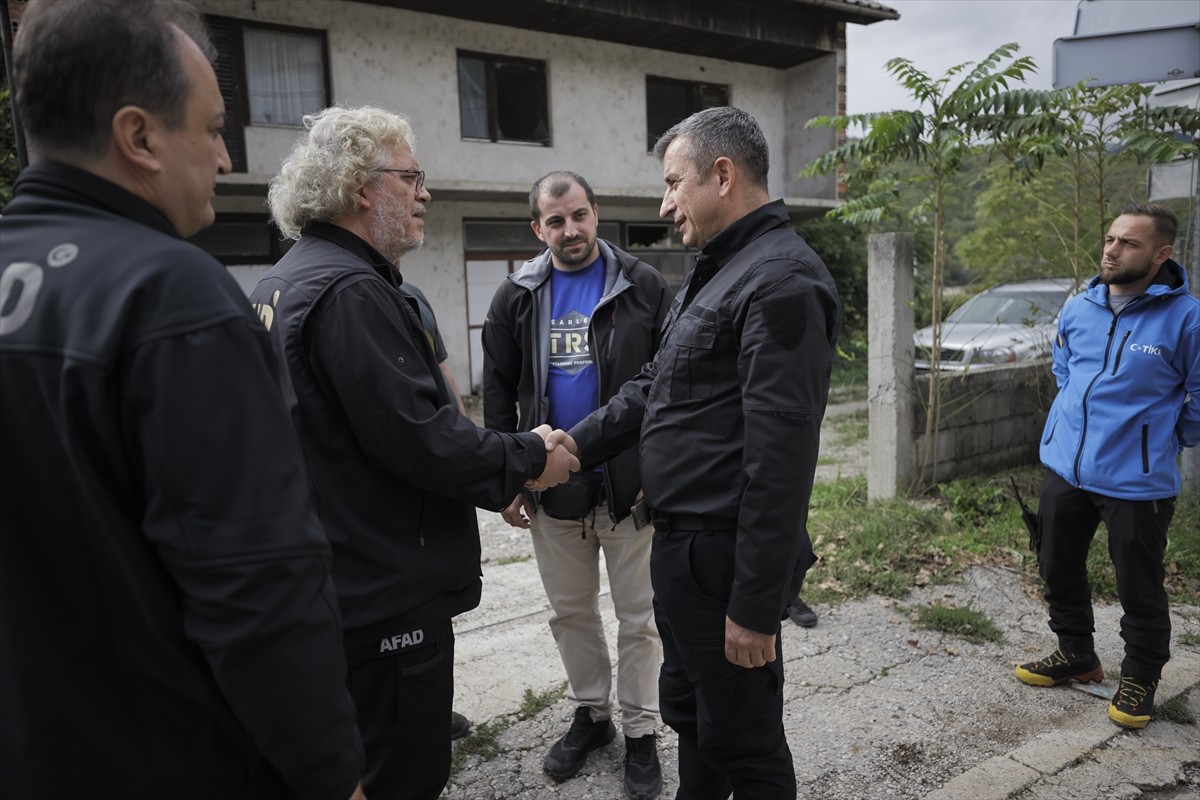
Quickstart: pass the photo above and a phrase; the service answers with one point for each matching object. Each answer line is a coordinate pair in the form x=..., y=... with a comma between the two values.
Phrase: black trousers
x=729, y=718
x=1137, y=538
x=402, y=682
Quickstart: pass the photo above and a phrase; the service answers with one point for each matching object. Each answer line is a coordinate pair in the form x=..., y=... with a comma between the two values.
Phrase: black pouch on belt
x=574, y=499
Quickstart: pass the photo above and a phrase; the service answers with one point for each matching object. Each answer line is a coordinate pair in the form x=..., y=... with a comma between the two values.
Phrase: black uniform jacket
x=396, y=470
x=166, y=607
x=622, y=336
x=729, y=412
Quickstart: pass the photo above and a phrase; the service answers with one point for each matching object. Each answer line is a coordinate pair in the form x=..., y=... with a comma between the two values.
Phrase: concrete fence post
x=892, y=463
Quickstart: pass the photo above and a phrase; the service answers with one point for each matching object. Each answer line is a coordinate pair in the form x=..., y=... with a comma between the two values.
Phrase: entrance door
x=484, y=275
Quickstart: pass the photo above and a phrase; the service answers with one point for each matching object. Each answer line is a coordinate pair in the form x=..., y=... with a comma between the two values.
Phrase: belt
x=693, y=522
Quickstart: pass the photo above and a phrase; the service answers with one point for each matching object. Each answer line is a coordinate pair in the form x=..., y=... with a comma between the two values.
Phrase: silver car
x=1006, y=324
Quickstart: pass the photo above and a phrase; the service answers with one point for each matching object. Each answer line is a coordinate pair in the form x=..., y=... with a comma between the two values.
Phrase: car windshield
x=1027, y=308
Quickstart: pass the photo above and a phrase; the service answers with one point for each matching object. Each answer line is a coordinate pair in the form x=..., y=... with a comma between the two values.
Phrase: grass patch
x=500, y=562
x=850, y=428
x=883, y=548
x=535, y=703
x=889, y=547
x=1190, y=639
x=1176, y=710
x=848, y=380
x=484, y=741
x=965, y=623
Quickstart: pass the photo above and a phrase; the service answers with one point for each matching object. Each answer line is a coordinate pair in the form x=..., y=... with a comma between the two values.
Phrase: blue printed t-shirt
x=573, y=387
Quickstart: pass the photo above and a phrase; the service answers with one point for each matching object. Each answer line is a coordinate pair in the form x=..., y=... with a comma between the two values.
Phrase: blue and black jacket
x=1129, y=389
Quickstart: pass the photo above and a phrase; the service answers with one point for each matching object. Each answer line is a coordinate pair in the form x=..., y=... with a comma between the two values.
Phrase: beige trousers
x=568, y=559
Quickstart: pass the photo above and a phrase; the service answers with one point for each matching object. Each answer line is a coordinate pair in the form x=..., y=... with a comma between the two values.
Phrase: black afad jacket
x=728, y=415
x=396, y=469
x=166, y=608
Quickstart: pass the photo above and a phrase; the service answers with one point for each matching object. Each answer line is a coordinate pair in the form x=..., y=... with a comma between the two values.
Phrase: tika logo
x=1148, y=349
x=401, y=641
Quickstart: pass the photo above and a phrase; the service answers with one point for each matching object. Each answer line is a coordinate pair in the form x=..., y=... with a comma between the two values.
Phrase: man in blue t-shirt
x=563, y=333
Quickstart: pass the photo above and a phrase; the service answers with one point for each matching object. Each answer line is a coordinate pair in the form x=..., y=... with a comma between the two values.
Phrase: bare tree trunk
x=933, y=408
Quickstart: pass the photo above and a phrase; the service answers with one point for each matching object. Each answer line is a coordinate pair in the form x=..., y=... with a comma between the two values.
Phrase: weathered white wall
x=810, y=90
x=406, y=61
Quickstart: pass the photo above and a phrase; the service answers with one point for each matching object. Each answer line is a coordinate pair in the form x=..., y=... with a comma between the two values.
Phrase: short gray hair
x=322, y=176
x=77, y=64
x=723, y=131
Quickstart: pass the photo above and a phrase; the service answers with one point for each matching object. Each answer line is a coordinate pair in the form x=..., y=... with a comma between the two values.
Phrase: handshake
x=562, y=458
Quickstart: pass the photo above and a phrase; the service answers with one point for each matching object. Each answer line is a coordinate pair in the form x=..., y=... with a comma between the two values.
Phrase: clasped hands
x=560, y=461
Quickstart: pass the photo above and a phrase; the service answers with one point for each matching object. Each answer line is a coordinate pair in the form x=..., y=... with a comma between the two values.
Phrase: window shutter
x=227, y=39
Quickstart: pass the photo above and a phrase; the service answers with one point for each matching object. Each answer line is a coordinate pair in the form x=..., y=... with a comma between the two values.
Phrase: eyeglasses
x=420, y=173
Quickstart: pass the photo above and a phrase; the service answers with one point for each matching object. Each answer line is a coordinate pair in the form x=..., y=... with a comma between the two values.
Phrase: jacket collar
x=1171, y=279
x=356, y=245
x=534, y=272
x=57, y=181
x=729, y=242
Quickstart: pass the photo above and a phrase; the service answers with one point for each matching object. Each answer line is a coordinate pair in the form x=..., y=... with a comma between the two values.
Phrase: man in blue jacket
x=1127, y=363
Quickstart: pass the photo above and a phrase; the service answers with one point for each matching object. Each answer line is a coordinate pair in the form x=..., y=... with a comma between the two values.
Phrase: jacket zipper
x=1116, y=363
x=1087, y=393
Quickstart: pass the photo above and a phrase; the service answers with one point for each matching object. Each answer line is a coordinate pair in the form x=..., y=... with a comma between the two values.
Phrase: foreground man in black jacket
x=729, y=414
x=168, y=624
x=396, y=469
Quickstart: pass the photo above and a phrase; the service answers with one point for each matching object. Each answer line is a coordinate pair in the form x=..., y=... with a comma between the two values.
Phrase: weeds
x=965, y=623
x=889, y=547
x=1176, y=710
x=484, y=741
x=1190, y=639
x=537, y=702
x=500, y=562
x=850, y=428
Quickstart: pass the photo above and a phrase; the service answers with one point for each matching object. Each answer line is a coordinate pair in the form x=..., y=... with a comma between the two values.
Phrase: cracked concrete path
x=876, y=708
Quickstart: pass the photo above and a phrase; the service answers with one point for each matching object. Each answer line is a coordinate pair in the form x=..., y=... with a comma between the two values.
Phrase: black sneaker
x=566, y=758
x=1058, y=667
x=460, y=726
x=1133, y=702
x=643, y=776
x=799, y=612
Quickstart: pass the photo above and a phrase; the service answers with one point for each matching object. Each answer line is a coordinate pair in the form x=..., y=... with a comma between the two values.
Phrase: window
x=269, y=75
x=503, y=99
x=669, y=101
x=285, y=75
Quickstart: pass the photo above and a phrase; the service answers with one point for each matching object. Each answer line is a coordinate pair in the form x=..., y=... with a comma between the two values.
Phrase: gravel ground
x=879, y=709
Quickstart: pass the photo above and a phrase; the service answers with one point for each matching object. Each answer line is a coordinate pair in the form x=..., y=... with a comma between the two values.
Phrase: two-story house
x=501, y=92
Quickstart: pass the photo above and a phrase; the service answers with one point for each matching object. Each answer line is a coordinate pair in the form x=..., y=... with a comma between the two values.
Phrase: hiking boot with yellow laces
x=1133, y=702
x=1060, y=667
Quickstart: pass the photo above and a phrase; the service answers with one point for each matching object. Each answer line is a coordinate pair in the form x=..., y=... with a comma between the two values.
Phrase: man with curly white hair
x=396, y=470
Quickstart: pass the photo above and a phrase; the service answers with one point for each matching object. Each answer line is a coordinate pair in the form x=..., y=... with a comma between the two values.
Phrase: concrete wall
x=990, y=418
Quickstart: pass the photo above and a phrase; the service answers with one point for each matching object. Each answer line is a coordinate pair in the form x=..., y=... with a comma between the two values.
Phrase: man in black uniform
x=168, y=623
x=729, y=414
x=396, y=468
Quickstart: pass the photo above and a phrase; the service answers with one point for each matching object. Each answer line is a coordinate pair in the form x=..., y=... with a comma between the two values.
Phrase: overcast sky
x=938, y=34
